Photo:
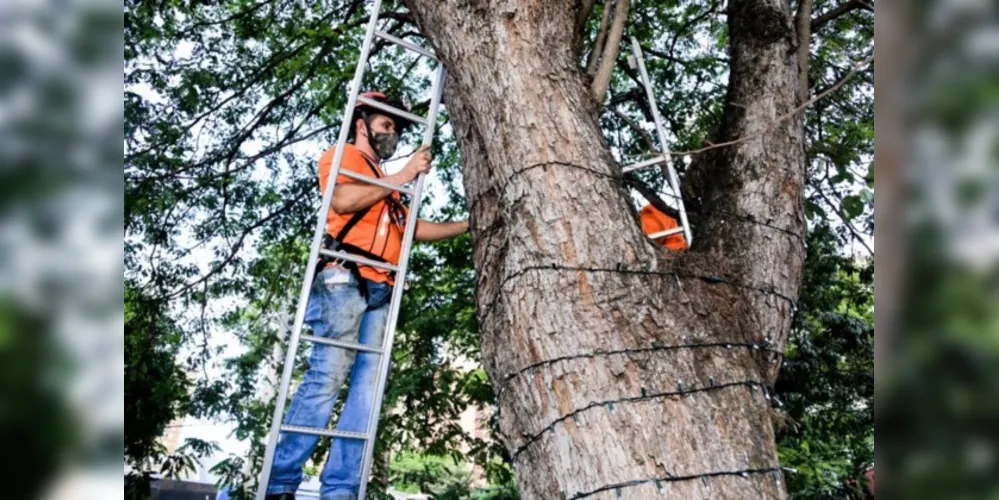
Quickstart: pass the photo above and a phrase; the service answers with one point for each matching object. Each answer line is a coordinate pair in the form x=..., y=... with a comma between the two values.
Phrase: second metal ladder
x=638, y=59
x=415, y=192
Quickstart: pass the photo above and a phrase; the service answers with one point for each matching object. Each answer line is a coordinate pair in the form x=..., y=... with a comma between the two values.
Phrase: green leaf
x=853, y=206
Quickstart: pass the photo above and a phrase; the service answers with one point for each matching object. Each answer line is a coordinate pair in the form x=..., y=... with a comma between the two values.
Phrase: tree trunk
x=589, y=329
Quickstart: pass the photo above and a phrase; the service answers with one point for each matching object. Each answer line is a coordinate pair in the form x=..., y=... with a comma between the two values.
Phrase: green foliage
x=155, y=386
x=156, y=393
x=504, y=491
x=185, y=459
x=440, y=477
x=35, y=425
x=940, y=394
x=826, y=386
x=444, y=478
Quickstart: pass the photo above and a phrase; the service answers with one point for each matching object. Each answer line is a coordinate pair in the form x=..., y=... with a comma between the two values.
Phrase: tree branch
x=842, y=10
x=204, y=24
x=585, y=9
x=608, y=58
x=651, y=196
x=381, y=43
x=239, y=244
x=676, y=60
x=804, y=28
x=687, y=25
x=405, y=17
x=839, y=210
x=640, y=99
x=642, y=133
x=259, y=74
x=787, y=116
x=230, y=148
x=598, y=45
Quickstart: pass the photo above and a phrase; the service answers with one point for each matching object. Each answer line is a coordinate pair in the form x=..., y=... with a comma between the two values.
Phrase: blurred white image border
x=937, y=248
x=61, y=209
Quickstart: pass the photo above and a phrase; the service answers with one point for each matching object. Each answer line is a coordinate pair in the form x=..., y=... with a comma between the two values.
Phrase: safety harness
x=337, y=243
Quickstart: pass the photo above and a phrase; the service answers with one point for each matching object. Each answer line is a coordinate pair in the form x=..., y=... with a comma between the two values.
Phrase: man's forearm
x=356, y=196
x=434, y=231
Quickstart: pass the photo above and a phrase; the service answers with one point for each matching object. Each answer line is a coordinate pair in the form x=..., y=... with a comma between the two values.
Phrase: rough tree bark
x=561, y=343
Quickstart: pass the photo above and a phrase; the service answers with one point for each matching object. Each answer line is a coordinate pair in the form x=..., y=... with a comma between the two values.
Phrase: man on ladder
x=350, y=302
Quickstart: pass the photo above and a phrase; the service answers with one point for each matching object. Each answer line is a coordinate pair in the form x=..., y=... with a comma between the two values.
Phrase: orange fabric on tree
x=654, y=221
x=376, y=232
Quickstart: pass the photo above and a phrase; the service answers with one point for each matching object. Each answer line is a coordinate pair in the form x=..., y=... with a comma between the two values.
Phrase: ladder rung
x=376, y=181
x=323, y=432
x=402, y=43
x=668, y=232
x=644, y=164
x=358, y=259
x=395, y=111
x=345, y=345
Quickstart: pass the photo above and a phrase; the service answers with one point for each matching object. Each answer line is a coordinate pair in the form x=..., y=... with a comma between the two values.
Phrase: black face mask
x=384, y=143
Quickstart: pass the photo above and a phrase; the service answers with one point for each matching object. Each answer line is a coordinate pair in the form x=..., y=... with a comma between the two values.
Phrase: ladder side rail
x=674, y=182
x=317, y=237
x=390, y=324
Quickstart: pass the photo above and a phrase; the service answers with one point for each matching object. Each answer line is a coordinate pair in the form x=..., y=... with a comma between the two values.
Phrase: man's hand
x=418, y=163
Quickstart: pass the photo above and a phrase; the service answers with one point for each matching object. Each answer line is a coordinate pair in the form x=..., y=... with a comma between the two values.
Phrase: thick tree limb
x=537, y=156
x=652, y=196
x=608, y=57
x=642, y=133
x=842, y=10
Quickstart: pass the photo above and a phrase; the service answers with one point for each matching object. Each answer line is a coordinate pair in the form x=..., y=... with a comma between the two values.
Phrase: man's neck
x=363, y=146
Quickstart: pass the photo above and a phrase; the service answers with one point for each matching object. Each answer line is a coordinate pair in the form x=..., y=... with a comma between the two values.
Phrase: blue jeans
x=335, y=310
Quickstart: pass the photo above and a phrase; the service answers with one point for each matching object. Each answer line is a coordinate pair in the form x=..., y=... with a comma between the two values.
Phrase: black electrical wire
x=623, y=270
x=672, y=479
x=764, y=346
x=610, y=404
x=621, y=180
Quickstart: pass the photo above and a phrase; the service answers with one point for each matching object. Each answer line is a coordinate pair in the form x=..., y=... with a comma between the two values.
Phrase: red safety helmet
x=363, y=110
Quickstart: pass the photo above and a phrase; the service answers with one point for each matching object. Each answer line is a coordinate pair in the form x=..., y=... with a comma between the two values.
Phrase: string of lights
x=681, y=391
x=621, y=269
x=763, y=346
x=660, y=481
x=623, y=181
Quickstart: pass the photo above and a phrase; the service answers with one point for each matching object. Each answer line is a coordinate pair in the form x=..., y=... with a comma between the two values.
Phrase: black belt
x=331, y=243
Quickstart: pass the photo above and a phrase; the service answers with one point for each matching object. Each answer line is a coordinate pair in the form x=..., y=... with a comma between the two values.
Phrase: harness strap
x=337, y=243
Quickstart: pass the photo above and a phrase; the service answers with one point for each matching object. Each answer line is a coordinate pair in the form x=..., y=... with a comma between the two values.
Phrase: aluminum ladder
x=638, y=59
x=415, y=192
